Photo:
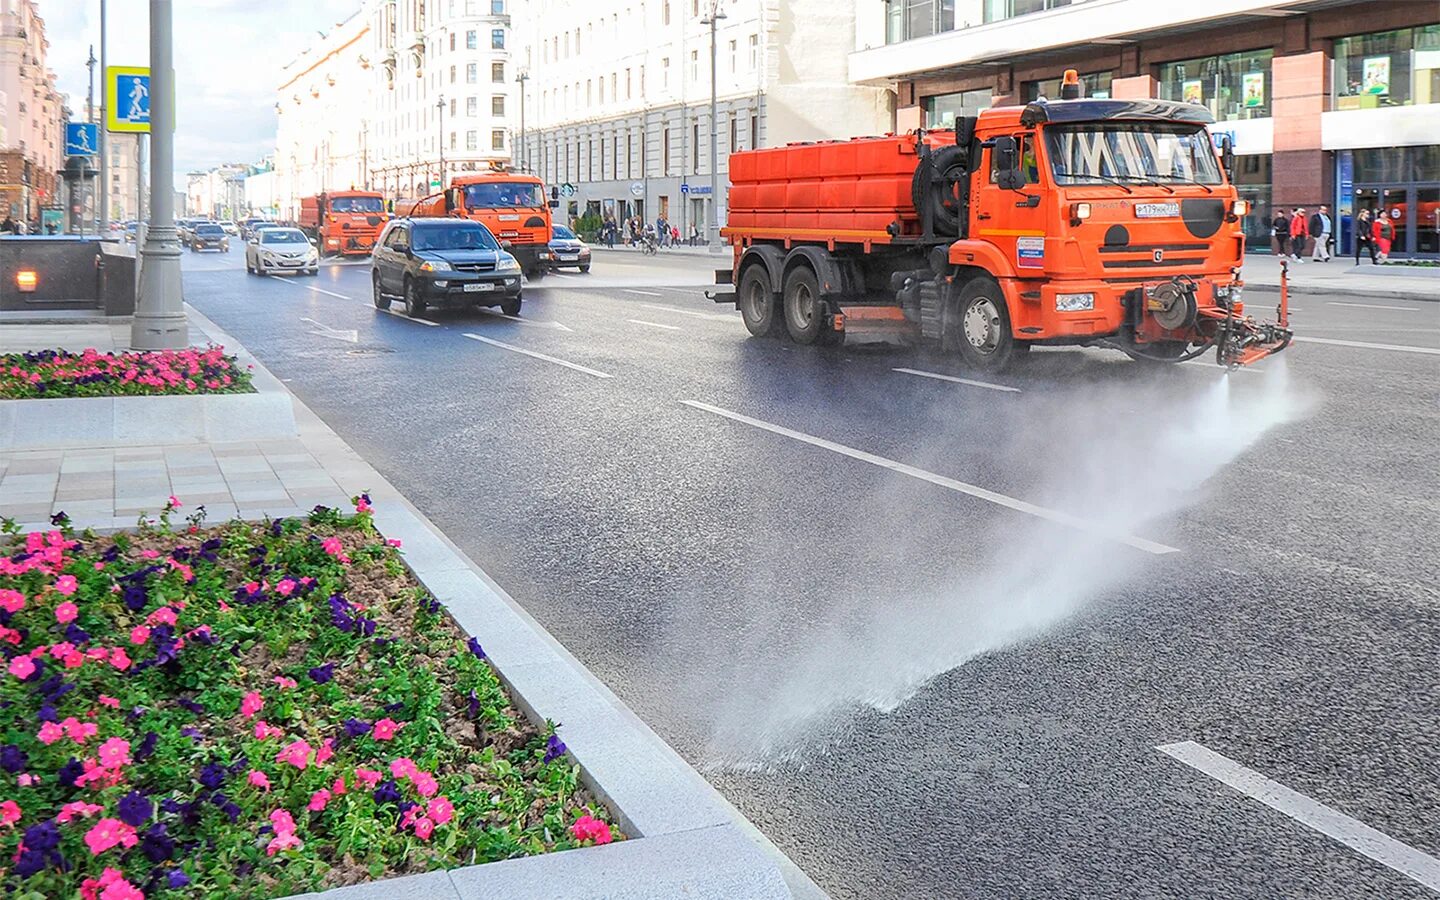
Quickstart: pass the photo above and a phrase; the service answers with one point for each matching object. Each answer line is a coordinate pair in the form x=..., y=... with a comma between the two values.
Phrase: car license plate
x=478, y=286
x=1156, y=210
x=570, y=257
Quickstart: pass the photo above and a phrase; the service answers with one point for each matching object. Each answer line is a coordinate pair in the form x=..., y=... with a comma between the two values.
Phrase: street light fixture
x=440, y=105
x=520, y=79
x=713, y=224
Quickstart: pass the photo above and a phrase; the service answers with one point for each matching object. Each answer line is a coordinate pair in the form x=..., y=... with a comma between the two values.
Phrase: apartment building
x=124, y=172
x=32, y=113
x=617, y=96
x=1327, y=101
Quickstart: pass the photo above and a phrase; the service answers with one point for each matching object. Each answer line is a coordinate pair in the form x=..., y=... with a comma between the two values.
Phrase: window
x=577, y=41
x=1233, y=86
x=665, y=12
x=497, y=39
x=734, y=134
x=453, y=36
x=602, y=90
x=614, y=91
x=472, y=140
x=497, y=7
x=1095, y=84
x=733, y=54
x=754, y=51
x=452, y=74
x=627, y=84
x=452, y=140
x=1388, y=68
x=452, y=106
x=472, y=106
x=694, y=66
x=472, y=42
x=1095, y=153
x=754, y=131
x=695, y=9
x=664, y=74
x=942, y=110
x=497, y=139
x=589, y=92
x=665, y=151
x=909, y=19
x=472, y=73
x=995, y=10
x=695, y=143
x=497, y=105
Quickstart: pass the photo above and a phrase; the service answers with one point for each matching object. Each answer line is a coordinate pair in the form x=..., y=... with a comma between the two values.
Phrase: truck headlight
x=1229, y=293
x=1079, y=212
x=1240, y=207
x=1074, y=302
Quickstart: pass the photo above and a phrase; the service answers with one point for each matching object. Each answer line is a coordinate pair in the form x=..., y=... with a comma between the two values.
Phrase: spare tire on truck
x=942, y=194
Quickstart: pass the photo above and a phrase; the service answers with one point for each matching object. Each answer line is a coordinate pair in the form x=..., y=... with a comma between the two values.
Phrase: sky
x=228, y=57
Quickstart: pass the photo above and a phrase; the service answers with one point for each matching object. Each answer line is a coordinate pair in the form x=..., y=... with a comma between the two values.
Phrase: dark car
x=443, y=262
x=209, y=236
x=566, y=249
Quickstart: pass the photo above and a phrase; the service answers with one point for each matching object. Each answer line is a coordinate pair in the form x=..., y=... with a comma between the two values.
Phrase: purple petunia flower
x=474, y=705
x=475, y=648
x=157, y=845
x=146, y=746
x=554, y=748
x=59, y=519
x=75, y=634
x=191, y=705
x=47, y=713
x=67, y=773
x=192, y=733
x=44, y=836
x=212, y=775
x=355, y=728
x=134, y=809
x=13, y=759
x=29, y=862
x=323, y=674
x=387, y=792
x=176, y=879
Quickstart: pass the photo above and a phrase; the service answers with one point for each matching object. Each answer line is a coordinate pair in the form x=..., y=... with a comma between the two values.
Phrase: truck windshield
x=357, y=204
x=503, y=193
x=1106, y=152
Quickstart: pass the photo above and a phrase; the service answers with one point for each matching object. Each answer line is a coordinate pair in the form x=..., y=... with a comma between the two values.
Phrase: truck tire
x=946, y=202
x=757, y=302
x=977, y=325
x=804, y=310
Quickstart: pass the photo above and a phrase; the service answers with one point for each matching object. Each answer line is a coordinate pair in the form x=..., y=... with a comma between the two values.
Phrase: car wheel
x=414, y=303
x=381, y=301
x=312, y=272
x=584, y=270
x=804, y=308
x=249, y=269
x=511, y=306
x=978, y=326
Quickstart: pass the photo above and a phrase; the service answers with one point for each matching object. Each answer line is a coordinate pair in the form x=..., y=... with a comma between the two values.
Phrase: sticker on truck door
x=1030, y=252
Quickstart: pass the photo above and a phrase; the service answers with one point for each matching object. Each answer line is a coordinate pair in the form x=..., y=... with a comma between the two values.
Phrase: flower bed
x=60, y=373
x=254, y=710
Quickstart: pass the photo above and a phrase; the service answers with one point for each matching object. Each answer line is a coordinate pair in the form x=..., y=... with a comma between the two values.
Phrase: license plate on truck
x=479, y=286
x=1156, y=210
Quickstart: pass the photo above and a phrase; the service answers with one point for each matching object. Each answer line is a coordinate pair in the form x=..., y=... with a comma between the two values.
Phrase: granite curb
x=686, y=839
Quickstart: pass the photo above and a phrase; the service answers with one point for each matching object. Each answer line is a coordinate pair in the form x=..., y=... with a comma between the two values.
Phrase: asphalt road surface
x=930, y=634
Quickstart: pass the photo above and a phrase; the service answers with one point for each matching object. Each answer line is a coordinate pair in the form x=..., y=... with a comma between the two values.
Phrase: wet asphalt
x=914, y=688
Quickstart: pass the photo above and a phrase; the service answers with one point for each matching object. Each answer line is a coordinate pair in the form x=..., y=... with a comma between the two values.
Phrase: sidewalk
x=681, y=250
x=1342, y=276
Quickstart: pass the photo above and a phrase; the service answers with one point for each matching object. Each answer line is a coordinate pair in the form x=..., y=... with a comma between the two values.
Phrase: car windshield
x=503, y=193
x=281, y=236
x=453, y=237
x=209, y=229
x=1097, y=153
x=564, y=233
x=357, y=204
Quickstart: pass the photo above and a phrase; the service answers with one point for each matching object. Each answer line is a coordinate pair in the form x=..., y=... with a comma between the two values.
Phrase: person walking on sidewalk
x=1320, y=229
x=1363, y=238
x=1299, y=233
x=1383, y=233
x=1280, y=230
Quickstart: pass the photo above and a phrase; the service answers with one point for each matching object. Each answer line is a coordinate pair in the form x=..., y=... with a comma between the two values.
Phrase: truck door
x=1011, y=213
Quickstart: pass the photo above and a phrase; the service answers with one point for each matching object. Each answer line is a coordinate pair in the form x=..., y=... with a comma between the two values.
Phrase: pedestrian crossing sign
x=127, y=99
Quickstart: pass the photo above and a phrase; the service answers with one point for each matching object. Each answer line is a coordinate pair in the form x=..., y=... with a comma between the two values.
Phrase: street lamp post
x=440, y=105
x=104, y=167
x=520, y=79
x=713, y=226
x=159, y=322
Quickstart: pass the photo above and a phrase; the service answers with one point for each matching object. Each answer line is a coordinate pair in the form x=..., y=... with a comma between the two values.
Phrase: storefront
x=1388, y=68
x=1232, y=86
x=1252, y=183
x=1400, y=183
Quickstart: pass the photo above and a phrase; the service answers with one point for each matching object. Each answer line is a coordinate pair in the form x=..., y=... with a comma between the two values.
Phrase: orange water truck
x=511, y=204
x=343, y=223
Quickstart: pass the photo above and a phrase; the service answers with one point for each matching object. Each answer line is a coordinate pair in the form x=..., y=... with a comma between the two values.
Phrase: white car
x=275, y=250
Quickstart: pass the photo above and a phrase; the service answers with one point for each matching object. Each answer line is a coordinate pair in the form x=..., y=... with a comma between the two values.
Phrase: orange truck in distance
x=512, y=205
x=343, y=223
x=1092, y=222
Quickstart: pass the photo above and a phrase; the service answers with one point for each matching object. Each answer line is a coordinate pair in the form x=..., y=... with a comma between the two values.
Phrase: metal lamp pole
x=713, y=225
x=520, y=79
x=159, y=322
x=440, y=105
x=104, y=193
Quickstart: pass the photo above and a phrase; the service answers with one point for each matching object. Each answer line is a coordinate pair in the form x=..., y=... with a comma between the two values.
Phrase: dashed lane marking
x=688, y=312
x=1312, y=814
x=656, y=325
x=1402, y=348
x=318, y=290
x=961, y=487
x=951, y=378
x=643, y=293
x=550, y=359
x=402, y=316
x=533, y=322
x=1373, y=306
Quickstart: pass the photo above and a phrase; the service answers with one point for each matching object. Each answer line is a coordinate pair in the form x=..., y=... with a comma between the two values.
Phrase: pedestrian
x=694, y=235
x=8, y=226
x=1280, y=231
x=1299, y=233
x=1320, y=229
x=1363, y=238
x=1383, y=233
x=674, y=236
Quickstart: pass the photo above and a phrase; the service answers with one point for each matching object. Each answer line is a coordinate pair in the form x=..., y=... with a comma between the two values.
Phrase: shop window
x=1388, y=68
x=1093, y=84
x=942, y=110
x=996, y=10
x=1232, y=86
x=909, y=19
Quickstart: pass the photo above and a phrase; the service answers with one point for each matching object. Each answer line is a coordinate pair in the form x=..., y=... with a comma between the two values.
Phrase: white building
x=618, y=95
x=125, y=176
x=260, y=195
x=32, y=113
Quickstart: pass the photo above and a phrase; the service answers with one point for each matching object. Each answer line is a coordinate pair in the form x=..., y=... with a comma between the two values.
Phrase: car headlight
x=507, y=264
x=1074, y=302
x=435, y=265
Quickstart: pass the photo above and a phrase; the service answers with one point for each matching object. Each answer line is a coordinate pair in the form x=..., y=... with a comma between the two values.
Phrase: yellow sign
x=127, y=99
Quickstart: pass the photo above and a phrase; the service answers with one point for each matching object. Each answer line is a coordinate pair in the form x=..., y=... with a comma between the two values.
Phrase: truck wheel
x=978, y=326
x=511, y=307
x=414, y=304
x=381, y=301
x=757, y=302
x=804, y=310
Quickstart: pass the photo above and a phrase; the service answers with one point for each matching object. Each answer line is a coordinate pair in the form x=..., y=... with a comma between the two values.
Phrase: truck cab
x=343, y=223
x=512, y=205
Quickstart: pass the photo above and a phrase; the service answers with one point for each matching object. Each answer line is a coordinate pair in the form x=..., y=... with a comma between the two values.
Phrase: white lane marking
x=339, y=334
x=1403, y=348
x=403, y=317
x=959, y=486
x=688, y=312
x=656, y=325
x=562, y=275
x=951, y=378
x=550, y=359
x=1373, y=306
x=317, y=290
x=534, y=322
x=644, y=293
x=1333, y=824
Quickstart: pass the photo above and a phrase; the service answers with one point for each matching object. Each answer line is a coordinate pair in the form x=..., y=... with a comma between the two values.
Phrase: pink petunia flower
x=77, y=809
x=338, y=787
x=265, y=731
x=78, y=731
x=251, y=704
x=162, y=616
x=119, y=658
x=367, y=777
x=139, y=634
x=296, y=754
x=282, y=820
x=587, y=828
x=403, y=767
x=174, y=502
x=326, y=751
x=114, y=753
x=319, y=800
x=67, y=585
x=108, y=833
x=121, y=890
x=386, y=729
x=10, y=813
x=109, y=701
x=425, y=784
x=25, y=779
x=49, y=733
x=286, y=587
x=424, y=828
x=258, y=779
x=285, y=682
x=150, y=554
x=280, y=842
x=440, y=809
x=66, y=612
x=11, y=601
x=22, y=667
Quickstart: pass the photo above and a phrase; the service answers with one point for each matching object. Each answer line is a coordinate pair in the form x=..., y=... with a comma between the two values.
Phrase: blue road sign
x=81, y=139
x=127, y=98
x=684, y=188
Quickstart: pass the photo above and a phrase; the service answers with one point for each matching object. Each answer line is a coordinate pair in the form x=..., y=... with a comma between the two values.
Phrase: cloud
x=228, y=57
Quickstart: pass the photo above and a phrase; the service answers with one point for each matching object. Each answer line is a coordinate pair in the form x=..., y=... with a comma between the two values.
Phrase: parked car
x=567, y=250
x=132, y=232
x=209, y=236
x=280, y=249
x=231, y=228
x=443, y=262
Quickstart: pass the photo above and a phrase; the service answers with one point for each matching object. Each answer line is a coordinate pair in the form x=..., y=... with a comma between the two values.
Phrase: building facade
x=617, y=96
x=1325, y=101
x=125, y=176
x=32, y=114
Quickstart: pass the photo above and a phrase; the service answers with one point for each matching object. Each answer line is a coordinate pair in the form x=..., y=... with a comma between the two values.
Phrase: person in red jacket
x=1383, y=232
x=1299, y=232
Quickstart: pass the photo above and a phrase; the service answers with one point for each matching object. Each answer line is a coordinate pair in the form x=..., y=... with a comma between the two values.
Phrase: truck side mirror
x=554, y=195
x=1003, y=158
x=1227, y=156
x=449, y=200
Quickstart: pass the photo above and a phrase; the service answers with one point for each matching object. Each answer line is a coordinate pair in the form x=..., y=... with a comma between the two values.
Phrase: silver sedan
x=275, y=250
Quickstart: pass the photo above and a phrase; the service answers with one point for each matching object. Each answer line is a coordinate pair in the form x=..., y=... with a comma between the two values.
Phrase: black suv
x=209, y=236
x=444, y=262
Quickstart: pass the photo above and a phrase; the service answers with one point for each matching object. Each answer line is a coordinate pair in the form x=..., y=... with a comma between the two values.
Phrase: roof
x=1093, y=110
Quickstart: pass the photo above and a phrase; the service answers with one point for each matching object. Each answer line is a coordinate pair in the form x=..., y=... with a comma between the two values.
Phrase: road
x=929, y=634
